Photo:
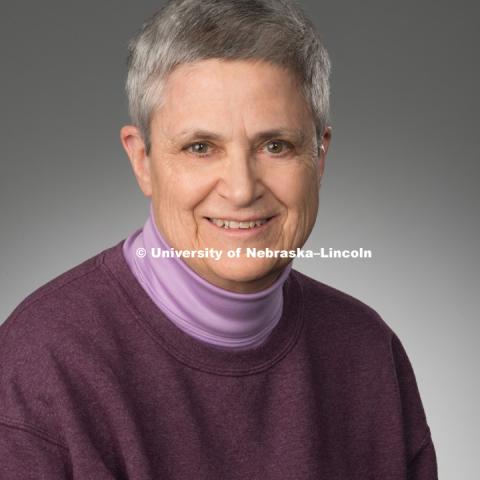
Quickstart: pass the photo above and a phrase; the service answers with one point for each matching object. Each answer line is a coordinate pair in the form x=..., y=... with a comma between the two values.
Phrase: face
x=233, y=141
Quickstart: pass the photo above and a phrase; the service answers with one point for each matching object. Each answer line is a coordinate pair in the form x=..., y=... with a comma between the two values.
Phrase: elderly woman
x=143, y=364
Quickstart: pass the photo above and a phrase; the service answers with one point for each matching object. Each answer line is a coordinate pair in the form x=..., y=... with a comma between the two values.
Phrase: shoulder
x=54, y=326
x=351, y=339
x=56, y=320
x=336, y=313
x=79, y=289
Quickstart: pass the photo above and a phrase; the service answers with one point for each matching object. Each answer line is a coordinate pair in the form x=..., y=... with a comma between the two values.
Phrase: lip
x=242, y=232
x=249, y=219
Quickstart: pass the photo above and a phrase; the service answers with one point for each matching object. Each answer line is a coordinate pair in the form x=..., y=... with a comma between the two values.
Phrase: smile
x=229, y=224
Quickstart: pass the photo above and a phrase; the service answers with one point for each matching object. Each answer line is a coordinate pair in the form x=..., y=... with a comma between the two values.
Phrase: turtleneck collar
x=209, y=313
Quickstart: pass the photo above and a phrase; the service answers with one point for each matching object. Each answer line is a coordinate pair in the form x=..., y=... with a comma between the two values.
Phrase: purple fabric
x=203, y=310
x=96, y=383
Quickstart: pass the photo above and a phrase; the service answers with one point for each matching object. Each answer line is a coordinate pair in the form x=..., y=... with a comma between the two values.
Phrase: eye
x=278, y=146
x=198, y=148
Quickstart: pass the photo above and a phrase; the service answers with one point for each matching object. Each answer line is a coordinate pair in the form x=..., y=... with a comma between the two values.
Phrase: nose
x=240, y=183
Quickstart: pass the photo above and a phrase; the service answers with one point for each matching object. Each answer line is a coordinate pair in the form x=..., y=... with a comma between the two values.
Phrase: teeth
x=233, y=224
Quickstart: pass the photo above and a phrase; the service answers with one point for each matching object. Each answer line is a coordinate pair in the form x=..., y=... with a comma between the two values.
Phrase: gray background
x=400, y=176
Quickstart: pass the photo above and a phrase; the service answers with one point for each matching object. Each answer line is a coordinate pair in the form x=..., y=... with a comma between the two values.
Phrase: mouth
x=240, y=227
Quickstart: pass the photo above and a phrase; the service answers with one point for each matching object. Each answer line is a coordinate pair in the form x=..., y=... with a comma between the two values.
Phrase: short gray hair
x=186, y=31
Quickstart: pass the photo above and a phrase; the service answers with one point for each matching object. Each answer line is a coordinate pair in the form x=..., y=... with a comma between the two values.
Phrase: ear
x=135, y=148
x=323, y=149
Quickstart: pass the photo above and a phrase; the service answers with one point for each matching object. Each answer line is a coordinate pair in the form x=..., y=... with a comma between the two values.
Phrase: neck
x=205, y=311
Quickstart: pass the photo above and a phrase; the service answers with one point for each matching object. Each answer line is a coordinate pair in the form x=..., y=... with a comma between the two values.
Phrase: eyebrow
x=298, y=134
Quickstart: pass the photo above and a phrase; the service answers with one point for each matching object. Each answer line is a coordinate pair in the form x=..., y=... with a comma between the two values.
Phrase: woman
x=214, y=365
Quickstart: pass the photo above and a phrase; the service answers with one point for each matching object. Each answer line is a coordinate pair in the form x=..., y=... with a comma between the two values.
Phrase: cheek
x=180, y=190
x=296, y=190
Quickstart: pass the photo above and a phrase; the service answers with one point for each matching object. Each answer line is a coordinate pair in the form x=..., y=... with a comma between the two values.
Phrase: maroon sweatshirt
x=96, y=383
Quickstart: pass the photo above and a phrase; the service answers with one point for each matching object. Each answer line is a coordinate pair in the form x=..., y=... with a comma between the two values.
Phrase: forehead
x=217, y=91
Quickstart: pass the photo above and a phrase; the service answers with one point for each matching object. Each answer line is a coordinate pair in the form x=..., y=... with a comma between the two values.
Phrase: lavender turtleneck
x=209, y=313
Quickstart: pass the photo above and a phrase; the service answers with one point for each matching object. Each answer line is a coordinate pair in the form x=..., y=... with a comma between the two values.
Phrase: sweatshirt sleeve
x=422, y=461
x=424, y=465
x=28, y=455
x=31, y=442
